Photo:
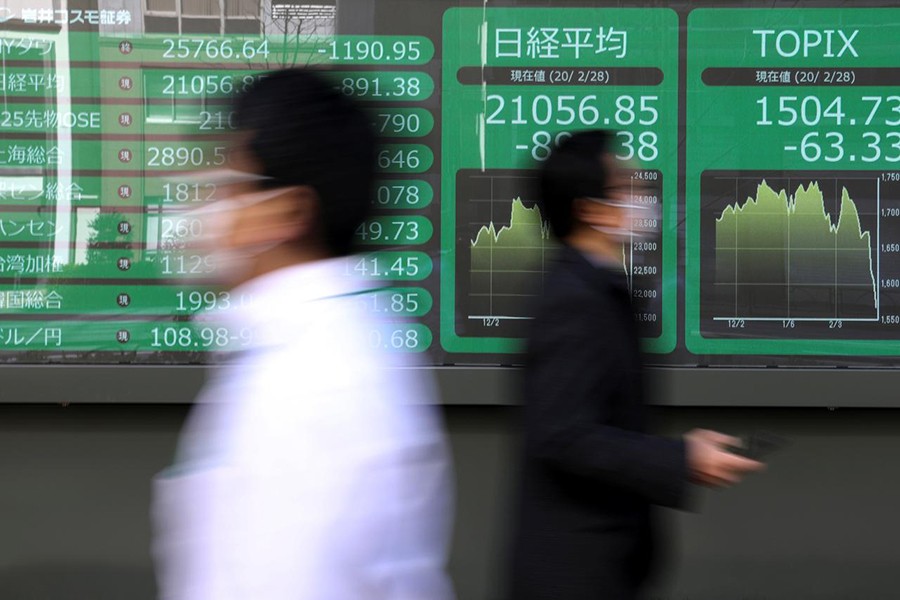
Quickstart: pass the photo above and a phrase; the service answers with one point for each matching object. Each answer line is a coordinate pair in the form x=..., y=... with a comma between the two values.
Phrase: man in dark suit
x=590, y=473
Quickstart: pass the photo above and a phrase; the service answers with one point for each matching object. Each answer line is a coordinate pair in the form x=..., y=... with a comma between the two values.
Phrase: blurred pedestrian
x=311, y=469
x=590, y=472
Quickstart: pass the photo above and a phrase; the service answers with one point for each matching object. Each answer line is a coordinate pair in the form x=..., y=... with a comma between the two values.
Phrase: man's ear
x=593, y=213
x=299, y=210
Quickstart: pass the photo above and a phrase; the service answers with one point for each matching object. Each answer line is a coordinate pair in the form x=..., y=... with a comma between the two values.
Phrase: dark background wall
x=821, y=523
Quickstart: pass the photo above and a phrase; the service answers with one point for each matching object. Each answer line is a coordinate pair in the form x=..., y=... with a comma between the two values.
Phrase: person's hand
x=709, y=461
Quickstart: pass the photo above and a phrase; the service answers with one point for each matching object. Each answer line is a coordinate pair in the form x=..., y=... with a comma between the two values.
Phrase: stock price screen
x=768, y=140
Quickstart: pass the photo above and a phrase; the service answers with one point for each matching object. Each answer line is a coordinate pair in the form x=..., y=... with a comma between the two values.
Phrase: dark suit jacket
x=590, y=473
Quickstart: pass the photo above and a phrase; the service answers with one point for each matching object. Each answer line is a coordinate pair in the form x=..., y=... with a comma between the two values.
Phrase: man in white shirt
x=314, y=466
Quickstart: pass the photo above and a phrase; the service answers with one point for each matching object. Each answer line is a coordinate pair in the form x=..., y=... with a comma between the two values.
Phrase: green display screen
x=791, y=243
x=516, y=82
x=767, y=140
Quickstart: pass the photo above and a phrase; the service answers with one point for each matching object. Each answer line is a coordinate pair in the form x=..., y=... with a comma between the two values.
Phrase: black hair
x=575, y=169
x=303, y=131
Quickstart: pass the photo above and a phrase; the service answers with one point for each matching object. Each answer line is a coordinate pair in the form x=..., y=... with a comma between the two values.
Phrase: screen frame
x=474, y=386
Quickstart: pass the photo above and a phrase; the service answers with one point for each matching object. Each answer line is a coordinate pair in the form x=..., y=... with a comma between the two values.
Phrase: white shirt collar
x=276, y=305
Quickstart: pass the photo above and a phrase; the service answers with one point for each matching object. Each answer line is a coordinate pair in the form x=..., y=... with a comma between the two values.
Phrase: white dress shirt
x=313, y=466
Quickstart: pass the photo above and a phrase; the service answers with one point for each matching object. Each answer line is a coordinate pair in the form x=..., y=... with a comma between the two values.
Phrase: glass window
x=242, y=8
x=200, y=8
x=161, y=5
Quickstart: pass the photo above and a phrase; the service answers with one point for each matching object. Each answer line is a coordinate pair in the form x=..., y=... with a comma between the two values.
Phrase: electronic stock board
x=768, y=138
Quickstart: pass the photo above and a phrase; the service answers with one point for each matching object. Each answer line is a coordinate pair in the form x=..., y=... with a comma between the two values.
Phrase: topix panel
x=790, y=235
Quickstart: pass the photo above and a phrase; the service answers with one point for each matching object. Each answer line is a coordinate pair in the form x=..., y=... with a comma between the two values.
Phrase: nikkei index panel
x=793, y=186
x=516, y=81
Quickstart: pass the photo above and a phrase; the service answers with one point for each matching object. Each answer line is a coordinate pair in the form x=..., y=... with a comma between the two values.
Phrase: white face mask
x=643, y=221
x=218, y=221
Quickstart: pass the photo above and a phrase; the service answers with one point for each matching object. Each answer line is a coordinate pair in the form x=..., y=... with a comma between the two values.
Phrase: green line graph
x=521, y=243
x=503, y=248
x=783, y=249
x=507, y=263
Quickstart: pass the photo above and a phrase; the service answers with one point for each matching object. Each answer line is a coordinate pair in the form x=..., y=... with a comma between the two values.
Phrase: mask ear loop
x=221, y=176
x=253, y=198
